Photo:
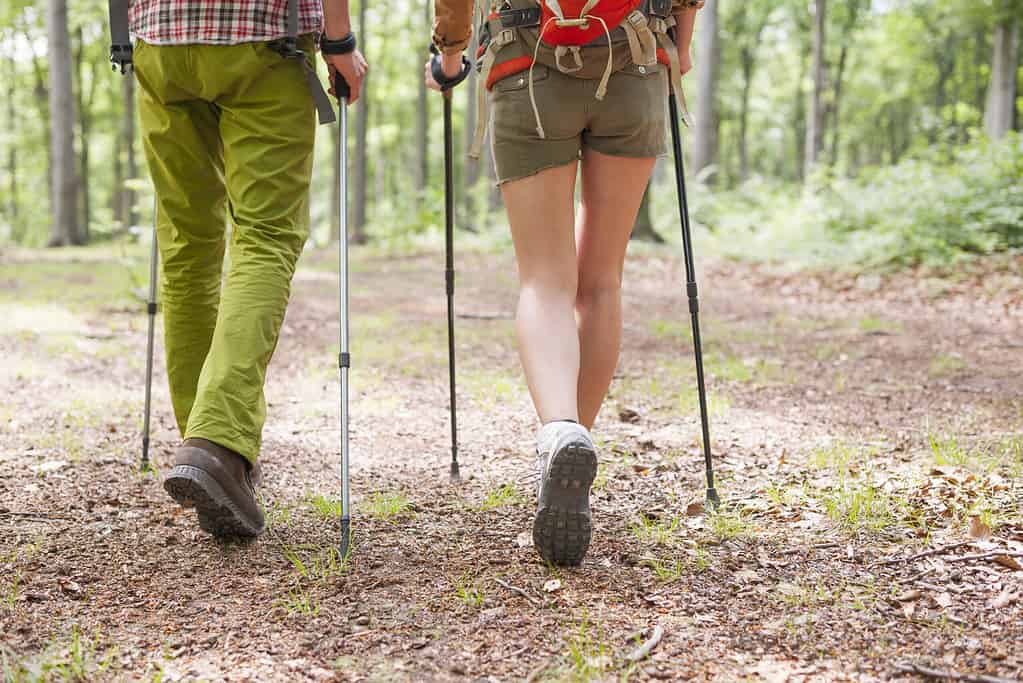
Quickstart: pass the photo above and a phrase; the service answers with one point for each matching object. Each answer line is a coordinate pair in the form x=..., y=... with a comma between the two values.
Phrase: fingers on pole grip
x=341, y=87
x=437, y=70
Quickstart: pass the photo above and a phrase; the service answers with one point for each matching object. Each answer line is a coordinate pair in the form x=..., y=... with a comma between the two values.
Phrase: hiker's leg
x=626, y=133
x=267, y=125
x=181, y=138
x=540, y=210
x=612, y=190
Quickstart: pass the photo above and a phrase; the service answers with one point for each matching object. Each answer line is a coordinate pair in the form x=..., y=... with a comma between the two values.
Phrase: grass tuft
x=503, y=496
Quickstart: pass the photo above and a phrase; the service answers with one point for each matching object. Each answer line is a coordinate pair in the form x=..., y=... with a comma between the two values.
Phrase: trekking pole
x=154, y=259
x=449, y=236
x=449, y=274
x=343, y=91
x=691, y=291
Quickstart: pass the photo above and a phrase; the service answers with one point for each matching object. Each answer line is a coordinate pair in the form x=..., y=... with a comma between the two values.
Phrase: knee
x=552, y=284
x=596, y=289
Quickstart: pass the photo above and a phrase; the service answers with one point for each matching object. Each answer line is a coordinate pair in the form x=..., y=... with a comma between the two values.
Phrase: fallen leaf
x=50, y=466
x=979, y=530
x=909, y=596
x=1004, y=599
x=552, y=585
x=1010, y=562
x=695, y=509
x=943, y=600
x=908, y=609
x=628, y=415
x=747, y=575
x=524, y=540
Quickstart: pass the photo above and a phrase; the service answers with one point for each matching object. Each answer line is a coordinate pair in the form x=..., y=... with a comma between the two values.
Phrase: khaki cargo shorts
x=629, y=122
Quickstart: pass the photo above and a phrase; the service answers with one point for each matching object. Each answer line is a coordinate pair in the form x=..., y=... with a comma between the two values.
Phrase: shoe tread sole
x=218, y=514
x=562, y=527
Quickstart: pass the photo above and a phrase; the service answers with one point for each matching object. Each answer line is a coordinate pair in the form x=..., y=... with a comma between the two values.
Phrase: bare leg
x=541, y=213
x=612, y=191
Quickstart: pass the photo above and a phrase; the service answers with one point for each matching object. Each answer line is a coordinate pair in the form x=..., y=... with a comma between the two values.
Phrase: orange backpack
x=582, y=38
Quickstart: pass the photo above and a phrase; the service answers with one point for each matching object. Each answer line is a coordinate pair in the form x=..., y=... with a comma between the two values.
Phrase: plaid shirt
x=219, y=22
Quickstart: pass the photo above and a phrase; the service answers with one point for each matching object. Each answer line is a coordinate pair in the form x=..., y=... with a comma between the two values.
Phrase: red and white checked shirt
x=219, y=22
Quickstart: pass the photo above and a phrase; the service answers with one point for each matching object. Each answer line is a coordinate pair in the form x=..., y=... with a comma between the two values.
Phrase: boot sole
x=218, y=514
x=562, y=526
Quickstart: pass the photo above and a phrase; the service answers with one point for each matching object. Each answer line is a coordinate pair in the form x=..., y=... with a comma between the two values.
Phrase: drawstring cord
x=561, y=21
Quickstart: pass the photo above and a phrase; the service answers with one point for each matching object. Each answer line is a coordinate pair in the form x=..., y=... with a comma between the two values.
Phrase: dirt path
x=856, y=421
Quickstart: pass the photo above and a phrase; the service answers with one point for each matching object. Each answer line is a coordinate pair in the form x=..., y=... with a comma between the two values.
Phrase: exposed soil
x=857, y=422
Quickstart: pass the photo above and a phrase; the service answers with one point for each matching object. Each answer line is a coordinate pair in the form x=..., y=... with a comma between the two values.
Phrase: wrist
x=344, y=45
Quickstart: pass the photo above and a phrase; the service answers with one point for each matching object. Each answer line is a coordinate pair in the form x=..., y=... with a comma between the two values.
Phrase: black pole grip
x=341, y=87
x=442, y=79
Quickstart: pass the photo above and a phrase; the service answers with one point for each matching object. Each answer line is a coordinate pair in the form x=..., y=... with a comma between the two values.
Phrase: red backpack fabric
x=613, y=12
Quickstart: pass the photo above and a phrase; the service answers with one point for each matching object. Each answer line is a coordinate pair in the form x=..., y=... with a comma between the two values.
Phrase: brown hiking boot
x=219, y=484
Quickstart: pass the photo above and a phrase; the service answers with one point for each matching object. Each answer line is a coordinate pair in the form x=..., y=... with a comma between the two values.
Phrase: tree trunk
x=64, y=226
x=335, y=190
x=644, y=228
x=815, y=122
x=422, y=175
x=708, y=66
x=12, y=151
x=84, y=111
x=1000, y=109
x=852, y=9
x=129, y=200
x=746, y=57
x=471, y=168
x=361, y=151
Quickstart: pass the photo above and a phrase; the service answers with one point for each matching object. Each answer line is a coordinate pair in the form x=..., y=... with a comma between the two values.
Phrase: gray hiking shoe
x=567, y=465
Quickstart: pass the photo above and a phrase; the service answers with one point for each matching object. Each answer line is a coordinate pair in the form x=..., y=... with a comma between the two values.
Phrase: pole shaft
x=449, y=272
x=344, y=359
x=691, y=291
x=154, y=260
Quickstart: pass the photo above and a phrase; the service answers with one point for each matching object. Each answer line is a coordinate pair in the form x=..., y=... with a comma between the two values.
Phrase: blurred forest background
x=869, y=132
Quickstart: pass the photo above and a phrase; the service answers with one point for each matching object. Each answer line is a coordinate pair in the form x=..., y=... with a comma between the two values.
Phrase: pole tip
x=346, y=537
x=712, y=498
x=455, y=476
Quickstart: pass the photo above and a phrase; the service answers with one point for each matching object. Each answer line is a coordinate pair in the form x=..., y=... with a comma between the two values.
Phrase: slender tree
x=1000, y=108
x=708, y=66
x=644, y=229
x=12, y=150
x=422, y=176
x=361, y=149
x=815, y=121
x=64, y=185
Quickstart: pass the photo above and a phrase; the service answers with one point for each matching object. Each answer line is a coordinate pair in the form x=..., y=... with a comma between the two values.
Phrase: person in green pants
x=228, y=124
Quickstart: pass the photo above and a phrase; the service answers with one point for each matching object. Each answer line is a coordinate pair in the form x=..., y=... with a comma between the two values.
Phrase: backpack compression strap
x=324, y=111
x=120, y=38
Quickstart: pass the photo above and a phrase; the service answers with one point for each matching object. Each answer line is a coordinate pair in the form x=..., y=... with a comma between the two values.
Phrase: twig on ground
x=984, y=556
x=516, y=589
x=33, y=515
x=915, y=577
x=486, y=316
x=908, y=668
x=644, y=650
x=818, y=546
x=536, y=671
x=927, y=553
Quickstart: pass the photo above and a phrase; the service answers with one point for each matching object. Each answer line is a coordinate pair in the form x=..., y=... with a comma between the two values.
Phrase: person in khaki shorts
x=552, y=122
x=228, y=123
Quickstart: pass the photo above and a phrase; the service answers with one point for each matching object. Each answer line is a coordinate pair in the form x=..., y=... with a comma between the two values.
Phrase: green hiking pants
x=228, y=132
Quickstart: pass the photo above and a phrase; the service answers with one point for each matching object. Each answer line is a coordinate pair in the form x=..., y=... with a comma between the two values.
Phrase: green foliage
x=388, y=506
x=932, y=209
x=503, y=496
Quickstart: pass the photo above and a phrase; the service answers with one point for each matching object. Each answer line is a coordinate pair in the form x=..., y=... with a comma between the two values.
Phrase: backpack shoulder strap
x=120, y=37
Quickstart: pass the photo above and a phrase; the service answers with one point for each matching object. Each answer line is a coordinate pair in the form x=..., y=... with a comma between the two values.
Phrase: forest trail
x=856, y=421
